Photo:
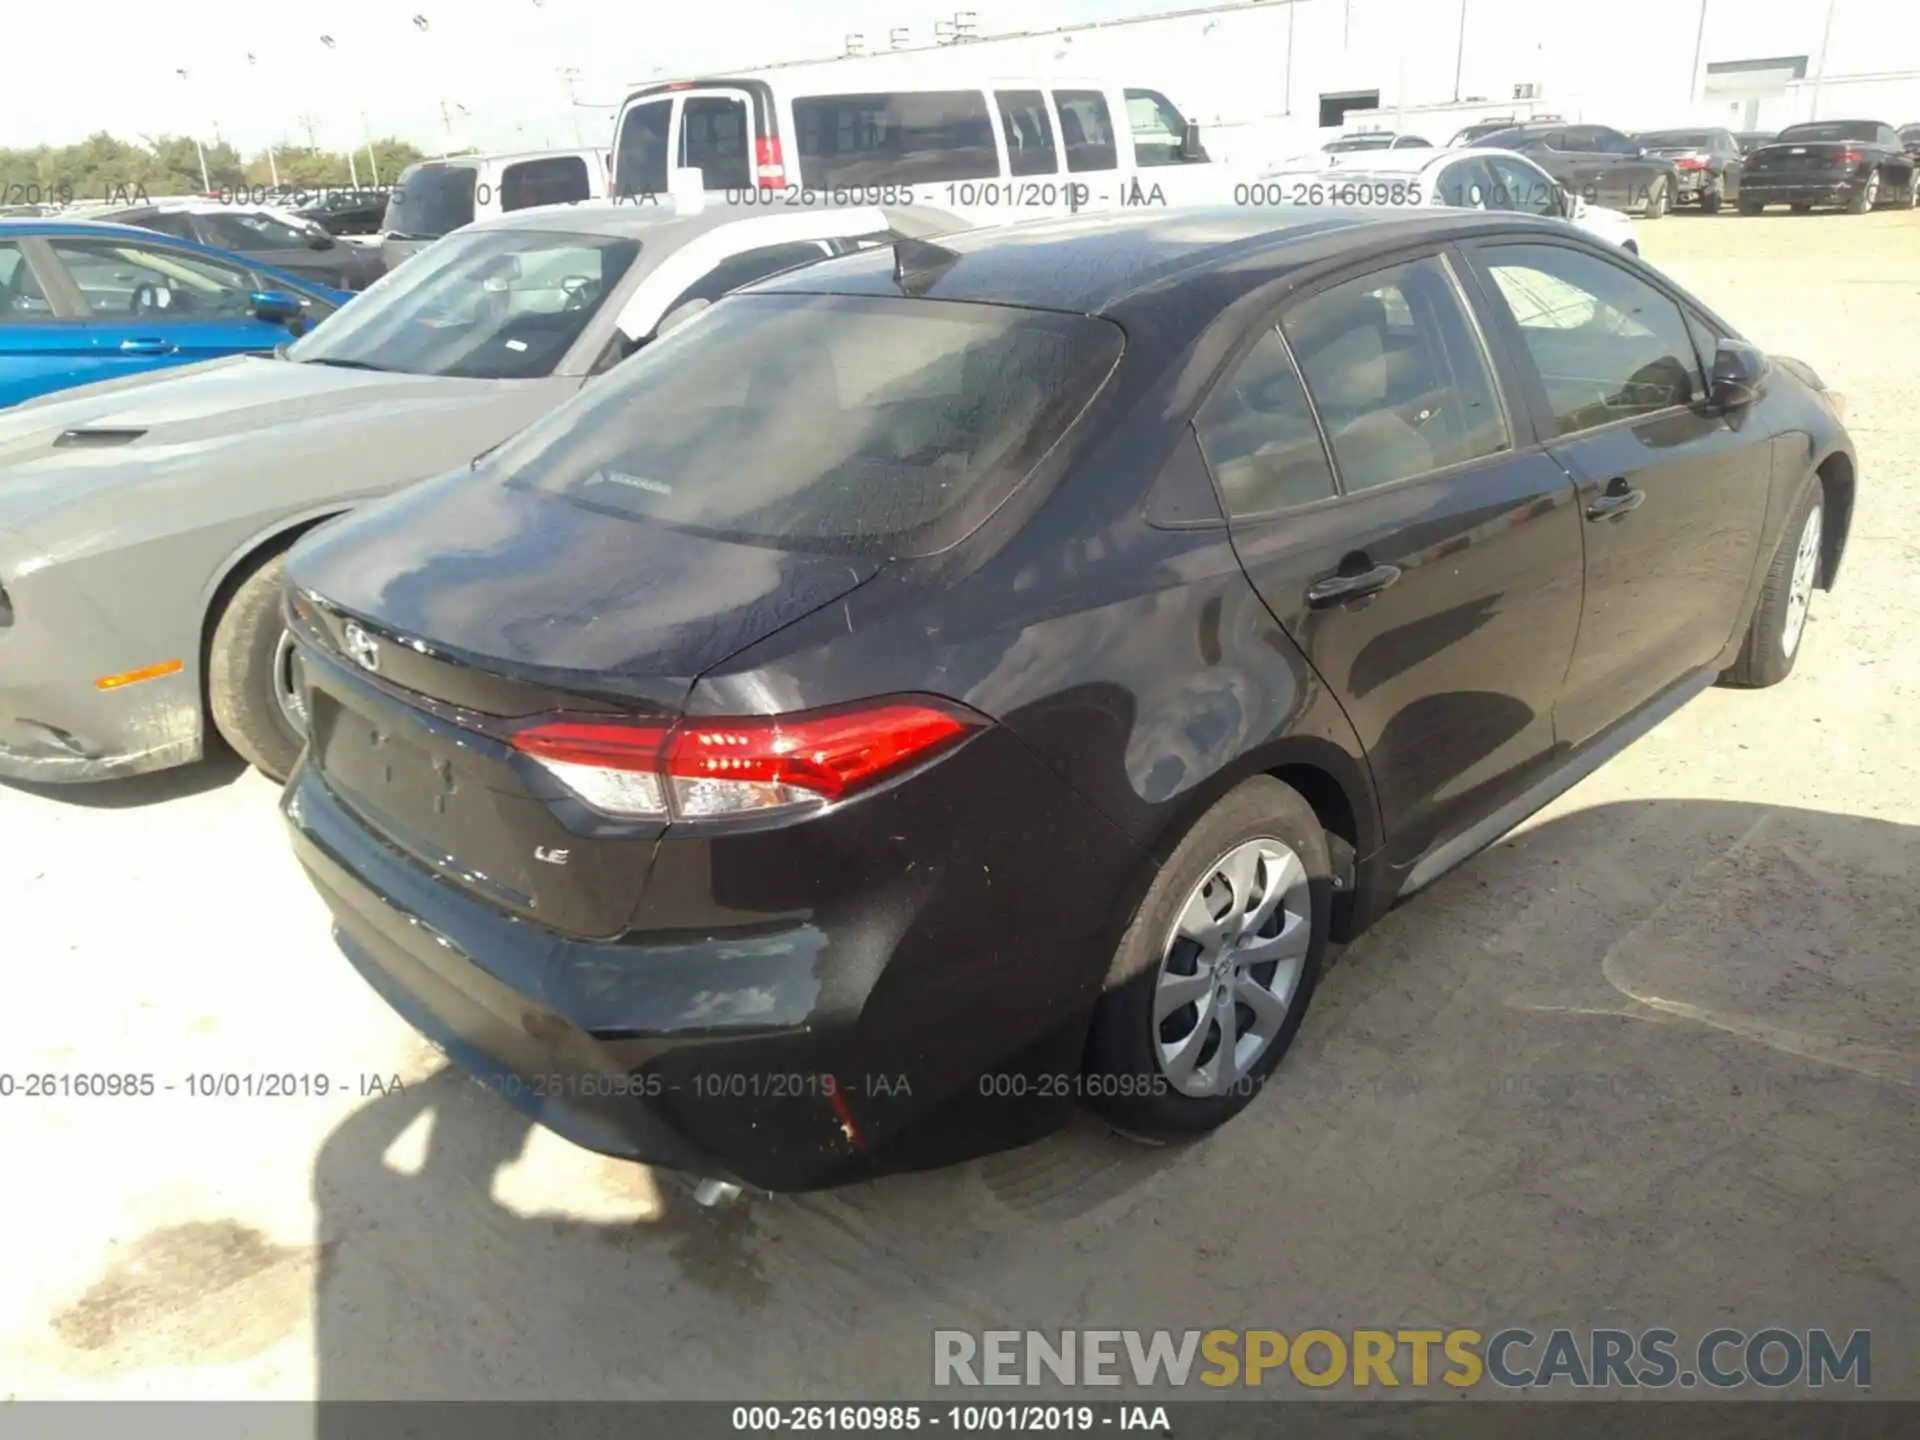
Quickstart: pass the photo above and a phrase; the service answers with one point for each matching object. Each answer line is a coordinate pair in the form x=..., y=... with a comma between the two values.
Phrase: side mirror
x=321, y=241
x=1739, y=369
x=276, y=307
x=680, y=315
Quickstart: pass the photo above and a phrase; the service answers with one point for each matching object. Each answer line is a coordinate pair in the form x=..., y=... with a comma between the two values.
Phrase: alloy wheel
x=1230, y=966
x=286, y=691
x=1806, y=566
x=1873, y=191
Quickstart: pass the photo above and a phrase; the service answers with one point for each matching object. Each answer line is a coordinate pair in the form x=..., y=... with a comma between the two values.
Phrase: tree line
x=103, y=167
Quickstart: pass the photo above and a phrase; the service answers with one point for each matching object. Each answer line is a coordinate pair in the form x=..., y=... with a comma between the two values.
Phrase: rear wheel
x=1214, y=975
x=250, y=675
x=1657, y=199
x=1751, y=207
x=1711, y=198
x=1779, y=619
x=1801, y=207
x=1866, y=197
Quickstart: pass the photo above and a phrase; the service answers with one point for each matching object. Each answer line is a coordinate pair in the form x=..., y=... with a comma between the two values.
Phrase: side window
x=1561, y=140
x=559, y=180
x=1517, y=186
x=1466, y=184
x=746, y=267
x=713, y=140
x=1029, y=132
x=21, y=299
x=1887, y=137
x=1086, y=129
x=1397, y=374
x=240, y=230
x=1612, y=142
x=128, y=282
x=180, y=227
x=1259, y=437
x=895, y=138
x=1159, y=130
x=1608, y=346
x=640, y=156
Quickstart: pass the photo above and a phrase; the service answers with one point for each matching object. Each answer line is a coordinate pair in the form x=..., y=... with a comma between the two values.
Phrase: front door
x=1418, y=547
x=1672, y=494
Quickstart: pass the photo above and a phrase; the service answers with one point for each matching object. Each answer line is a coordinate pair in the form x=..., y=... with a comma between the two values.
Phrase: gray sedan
x=143, y=521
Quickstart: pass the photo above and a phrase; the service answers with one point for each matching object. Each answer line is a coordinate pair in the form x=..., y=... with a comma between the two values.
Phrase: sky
x=493, y=62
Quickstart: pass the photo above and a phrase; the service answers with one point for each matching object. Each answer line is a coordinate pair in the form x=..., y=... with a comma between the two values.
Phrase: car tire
x=1866, y=197
x=1751, y=207
x=1260, y=842
x=1657, y=200
x=1711, y=199
x=1801, y=207
x=246, y=675
x=1777, y=628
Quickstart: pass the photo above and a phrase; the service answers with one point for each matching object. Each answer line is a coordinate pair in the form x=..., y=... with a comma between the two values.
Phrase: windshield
x=848, y=424
x=491, y=305
x=1828, y=130
x=1675, y=139
x=430, y=201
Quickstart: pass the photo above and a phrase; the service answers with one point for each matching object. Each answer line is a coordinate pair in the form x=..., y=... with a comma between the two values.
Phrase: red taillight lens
x=1850, y=157
x=707, y=768
x=771, y=168
x=1690, y=162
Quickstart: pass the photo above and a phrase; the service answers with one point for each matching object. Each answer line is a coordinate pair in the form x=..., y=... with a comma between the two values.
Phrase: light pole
x=273, y=165
x=1820, y=75
x=1460, y=52
x=1699, y=39
x=569, y=77
x=206, y=184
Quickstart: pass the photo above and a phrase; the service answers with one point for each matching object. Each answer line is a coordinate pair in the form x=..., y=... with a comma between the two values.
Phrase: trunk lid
x=1809, y=155
x=476, y=603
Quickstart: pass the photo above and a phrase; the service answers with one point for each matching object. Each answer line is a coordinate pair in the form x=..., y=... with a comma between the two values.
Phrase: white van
x=434, y=197
x=879, y=132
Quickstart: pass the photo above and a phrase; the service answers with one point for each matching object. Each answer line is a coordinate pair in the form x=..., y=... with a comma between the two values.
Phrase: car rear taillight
x=1850, y=157
x=710, y=768
x=770, y=168
x=1690, y=162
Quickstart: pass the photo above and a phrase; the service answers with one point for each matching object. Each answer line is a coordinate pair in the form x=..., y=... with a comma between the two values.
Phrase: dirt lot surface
x=1651, y=1061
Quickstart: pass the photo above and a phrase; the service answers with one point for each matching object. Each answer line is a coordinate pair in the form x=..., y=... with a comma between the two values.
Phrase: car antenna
x=919, y=264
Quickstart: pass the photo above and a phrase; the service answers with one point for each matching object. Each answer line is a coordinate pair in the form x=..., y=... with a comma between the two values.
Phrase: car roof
x=1388, y=162
x=1113, y=262
x=106, y=230
x=501, y=157
x=660, y=213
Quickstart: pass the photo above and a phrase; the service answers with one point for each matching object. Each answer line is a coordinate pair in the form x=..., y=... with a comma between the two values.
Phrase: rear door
x=1407, y=531
x=44, y=342
x=716, y=137
x=1672, y=495
x=154, y=305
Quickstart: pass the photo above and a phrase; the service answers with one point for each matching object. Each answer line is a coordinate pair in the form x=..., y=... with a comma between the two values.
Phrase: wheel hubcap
x=1230, y=966
x=1806, y=565
x=286, y=692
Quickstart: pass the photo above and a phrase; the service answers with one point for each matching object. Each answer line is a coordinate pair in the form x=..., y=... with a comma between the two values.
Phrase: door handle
x=147, y=347
x=1340, y=589
x=1618, y=500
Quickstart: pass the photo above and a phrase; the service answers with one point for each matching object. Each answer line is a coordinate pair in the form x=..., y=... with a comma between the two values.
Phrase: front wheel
x=250, y=687
x=1657, y=200
x=1751, y=207
x=1779, y=618
x=1866, y=197
x=1214, y=974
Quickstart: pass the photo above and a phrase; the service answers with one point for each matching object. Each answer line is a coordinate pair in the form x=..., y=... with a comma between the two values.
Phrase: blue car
x=83, y=302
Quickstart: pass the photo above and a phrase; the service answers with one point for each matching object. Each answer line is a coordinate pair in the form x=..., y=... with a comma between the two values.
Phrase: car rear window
x=853, y=425
x=1827, y=130
x=430, y=202
x=902, y=137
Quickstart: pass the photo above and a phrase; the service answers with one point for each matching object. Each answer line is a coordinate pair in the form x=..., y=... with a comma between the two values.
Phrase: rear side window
x=713, y=140
x=559, y=180
x=845, y=424
x=1086, y=128
x=1396, y=374
x=1159, y=131
x=1029, y=132
x=1259, y=436
x=895, y=138
x=430, y=202
x=640, y=156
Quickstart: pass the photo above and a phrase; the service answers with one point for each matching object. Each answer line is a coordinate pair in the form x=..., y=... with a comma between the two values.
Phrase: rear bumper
x=790, y=1055
x=1811, y=190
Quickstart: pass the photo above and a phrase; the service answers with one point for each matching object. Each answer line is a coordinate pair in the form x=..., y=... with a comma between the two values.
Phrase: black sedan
x=1707, y=162
x=1854, y=164
x=960, y=680
x=1601, y=165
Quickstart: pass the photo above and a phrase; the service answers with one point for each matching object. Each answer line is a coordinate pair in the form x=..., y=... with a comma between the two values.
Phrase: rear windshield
x=853, y=425
x=430, y=202
x=1828, y=130
x=901, y=137
x=1674, y=139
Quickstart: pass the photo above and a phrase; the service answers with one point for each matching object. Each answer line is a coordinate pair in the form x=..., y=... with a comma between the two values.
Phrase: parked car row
x=794, y=691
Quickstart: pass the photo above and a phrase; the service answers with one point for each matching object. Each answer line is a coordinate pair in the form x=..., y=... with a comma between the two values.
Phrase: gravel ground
x=1651, y=1061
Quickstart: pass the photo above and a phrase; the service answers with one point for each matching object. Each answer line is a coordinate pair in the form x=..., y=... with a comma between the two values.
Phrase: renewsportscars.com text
x=1513, y=1358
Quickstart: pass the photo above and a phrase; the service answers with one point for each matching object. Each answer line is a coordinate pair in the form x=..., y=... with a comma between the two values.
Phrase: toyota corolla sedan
x=958, y=680
x=144, y=522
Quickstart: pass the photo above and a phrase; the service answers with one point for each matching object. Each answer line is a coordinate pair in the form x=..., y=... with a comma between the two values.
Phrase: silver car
x=143, y=521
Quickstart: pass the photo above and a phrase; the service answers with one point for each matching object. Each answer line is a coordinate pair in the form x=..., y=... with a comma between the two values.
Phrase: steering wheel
x=579, y=290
